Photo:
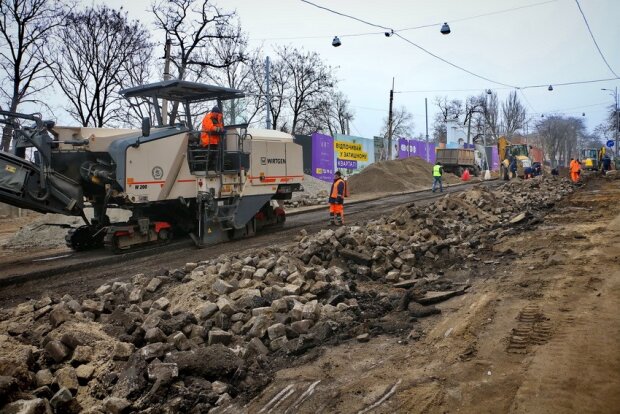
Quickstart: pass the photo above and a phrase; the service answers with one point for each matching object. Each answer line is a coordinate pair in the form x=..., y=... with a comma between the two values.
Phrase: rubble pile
x=208, y=335
x=49, y=230
x=307, y=199
x=315, y=193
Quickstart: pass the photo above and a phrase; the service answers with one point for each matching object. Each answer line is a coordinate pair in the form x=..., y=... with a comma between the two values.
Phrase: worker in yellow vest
x=437, y=173
x=336, y=200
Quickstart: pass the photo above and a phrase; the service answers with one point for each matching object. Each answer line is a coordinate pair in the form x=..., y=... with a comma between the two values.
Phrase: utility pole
x=390, y=122
x=426, y=113
x=617, y=128
x=164, y=102
x=267, y=95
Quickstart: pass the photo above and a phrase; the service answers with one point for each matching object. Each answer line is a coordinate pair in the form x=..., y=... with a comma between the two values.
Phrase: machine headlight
x=526, y=163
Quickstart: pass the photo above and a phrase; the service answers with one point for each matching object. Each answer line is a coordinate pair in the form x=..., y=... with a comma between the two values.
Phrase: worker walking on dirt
x=575, y=169
x=513, y=166
x=437, y=173
x=336, y=200
x=605, y=164
x=212, y=131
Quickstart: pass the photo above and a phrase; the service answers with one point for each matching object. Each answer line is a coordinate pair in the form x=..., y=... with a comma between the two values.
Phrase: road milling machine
x=171, y=184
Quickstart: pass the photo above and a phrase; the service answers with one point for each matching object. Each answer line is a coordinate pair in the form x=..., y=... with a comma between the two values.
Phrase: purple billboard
x=494, y=159
x=323, y=157
x=414, y=148
x=347, y=164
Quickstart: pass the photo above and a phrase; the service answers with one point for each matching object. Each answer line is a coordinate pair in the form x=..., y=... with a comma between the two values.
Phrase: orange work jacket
x=210, y=124
x=574, y=166
x=337, y=191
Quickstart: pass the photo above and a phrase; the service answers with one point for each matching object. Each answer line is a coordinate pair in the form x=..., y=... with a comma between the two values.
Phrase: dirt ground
x=537, y=332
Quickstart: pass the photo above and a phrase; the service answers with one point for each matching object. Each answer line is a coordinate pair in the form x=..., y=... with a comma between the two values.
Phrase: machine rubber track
x=84, y=238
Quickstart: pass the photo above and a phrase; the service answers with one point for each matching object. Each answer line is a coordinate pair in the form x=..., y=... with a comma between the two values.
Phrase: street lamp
x=445, y=29
x=615, y=92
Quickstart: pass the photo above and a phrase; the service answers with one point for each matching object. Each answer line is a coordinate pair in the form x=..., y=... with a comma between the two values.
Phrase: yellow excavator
x=506, y=151
x=591, y=158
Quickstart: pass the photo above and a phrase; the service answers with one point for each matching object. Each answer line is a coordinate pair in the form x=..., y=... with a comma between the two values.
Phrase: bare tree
x=240, y=74
x=309, y=80
x=138, y=71
x=559, y=137
x=473, y=105
x=491, y=115
x=279, y=81
x=333, y=113
x=194, y=26
x=402, y=123
x=25, y=26
x=514, y=114
x=97, y=49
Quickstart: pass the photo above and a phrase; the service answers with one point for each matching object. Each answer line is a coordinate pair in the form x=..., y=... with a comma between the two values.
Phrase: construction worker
x=574, y=169
x=513, y=166
x=212, y=131
x=437, y=173
x=605, y=164
x=212, y=127
x=336, y=200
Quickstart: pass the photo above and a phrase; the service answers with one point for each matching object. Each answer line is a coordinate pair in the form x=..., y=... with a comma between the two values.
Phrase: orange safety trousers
x=337, y=209
x=574, y=177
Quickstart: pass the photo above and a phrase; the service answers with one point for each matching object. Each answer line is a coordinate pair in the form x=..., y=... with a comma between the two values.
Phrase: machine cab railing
x=229, y=156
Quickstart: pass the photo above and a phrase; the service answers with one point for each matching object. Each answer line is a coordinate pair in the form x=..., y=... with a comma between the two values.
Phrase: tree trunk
x=7, y=133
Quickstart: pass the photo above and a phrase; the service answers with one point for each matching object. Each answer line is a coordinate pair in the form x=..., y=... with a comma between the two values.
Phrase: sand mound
x=407, y=174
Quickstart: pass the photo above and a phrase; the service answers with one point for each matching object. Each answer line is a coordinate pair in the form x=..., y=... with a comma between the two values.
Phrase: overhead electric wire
x=568, y=83
x=462, y=19
x=527, y=100
x=594, y=40
x=410, y=42
x=447, y=90
x=320, y=37
x=347, y=15
x=452, y=64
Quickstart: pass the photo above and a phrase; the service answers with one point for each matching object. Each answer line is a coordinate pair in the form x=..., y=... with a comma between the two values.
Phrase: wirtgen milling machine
x=170, y=183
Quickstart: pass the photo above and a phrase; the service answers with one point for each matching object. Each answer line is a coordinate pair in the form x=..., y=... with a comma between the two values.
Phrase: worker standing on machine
x=212, y=130
x=336, y=200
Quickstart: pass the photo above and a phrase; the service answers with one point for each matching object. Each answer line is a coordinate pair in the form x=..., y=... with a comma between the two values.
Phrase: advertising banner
x=348, y=164
x=350, y=151
x=415, y=148
x=352, y=154
x=323, y=157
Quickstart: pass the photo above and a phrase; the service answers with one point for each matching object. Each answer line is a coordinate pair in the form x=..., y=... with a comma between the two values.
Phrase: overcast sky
x=547, y=43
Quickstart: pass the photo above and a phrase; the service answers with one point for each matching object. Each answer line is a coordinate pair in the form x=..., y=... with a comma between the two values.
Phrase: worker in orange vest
x=575, y=170
x=336, y=200
x=212, y=127
x=212, y=131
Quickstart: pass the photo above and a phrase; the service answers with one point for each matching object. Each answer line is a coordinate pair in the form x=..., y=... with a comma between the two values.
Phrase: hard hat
x=216, y=109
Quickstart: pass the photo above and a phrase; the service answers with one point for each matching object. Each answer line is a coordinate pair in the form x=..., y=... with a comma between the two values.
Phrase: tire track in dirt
x=578, y=370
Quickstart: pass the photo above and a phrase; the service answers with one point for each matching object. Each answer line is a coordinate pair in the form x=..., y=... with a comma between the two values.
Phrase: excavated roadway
x=78, y=274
